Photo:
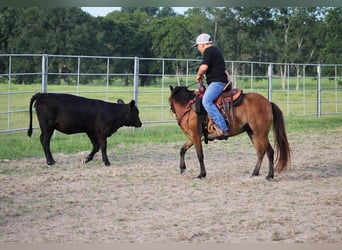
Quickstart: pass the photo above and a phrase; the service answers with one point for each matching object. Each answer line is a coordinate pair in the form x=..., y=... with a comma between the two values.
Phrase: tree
x=286, y=35
x=332, y=53
x=8, y=19
x=258, y=22
x=170, y=39
x=150, y=11
x=134, y=38
x=305, y=37
x=166, y=12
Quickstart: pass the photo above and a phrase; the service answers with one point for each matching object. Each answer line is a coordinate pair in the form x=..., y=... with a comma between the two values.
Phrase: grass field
x=18, y=145
x=153, y=106
x=153, y=100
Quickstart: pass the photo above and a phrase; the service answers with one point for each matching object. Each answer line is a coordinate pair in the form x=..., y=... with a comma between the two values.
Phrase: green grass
x=18, y=145
x=153, y=106
x=153, y=100
x=306, y=124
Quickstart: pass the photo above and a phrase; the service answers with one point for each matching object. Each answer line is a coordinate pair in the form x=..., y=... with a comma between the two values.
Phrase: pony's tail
x=29, y=131
x=282, y=148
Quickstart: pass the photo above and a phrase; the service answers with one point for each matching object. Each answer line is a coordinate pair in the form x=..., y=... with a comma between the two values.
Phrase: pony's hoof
x=182, y=171
x=200, y=177
x=269, y=177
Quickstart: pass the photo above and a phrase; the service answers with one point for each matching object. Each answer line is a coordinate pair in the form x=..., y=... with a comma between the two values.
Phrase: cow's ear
x=132, y=103
x=120, y=101
x=171, y=88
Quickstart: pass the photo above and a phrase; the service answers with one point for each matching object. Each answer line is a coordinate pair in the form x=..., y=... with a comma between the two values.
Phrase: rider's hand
x=199, y=79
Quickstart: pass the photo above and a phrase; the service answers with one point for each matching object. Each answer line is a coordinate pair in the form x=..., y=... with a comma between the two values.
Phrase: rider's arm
x=202, y=69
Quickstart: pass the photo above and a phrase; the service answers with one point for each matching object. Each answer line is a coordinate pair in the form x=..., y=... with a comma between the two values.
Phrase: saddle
x=226, y=102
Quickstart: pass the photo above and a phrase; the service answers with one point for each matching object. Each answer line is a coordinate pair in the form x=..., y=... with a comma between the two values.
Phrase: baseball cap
x=203, y=38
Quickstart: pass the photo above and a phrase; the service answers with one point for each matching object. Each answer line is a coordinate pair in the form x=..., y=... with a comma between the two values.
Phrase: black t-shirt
x=216, y=66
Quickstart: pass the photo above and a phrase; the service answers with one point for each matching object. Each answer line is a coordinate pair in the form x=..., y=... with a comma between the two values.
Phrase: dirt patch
x=143, y=198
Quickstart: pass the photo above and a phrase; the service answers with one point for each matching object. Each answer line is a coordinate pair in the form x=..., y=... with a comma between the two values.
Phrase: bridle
x=185, y=111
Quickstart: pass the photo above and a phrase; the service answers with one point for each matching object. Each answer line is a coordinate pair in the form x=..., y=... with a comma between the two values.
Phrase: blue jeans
x=210, y=95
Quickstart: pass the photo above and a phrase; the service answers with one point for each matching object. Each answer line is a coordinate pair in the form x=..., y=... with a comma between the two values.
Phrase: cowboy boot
x=218, y=134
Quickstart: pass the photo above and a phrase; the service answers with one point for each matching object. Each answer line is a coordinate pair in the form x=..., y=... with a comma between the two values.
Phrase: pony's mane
x=182, y=95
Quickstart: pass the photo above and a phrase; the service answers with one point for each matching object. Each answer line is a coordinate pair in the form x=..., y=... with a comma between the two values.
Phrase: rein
x=187, y=109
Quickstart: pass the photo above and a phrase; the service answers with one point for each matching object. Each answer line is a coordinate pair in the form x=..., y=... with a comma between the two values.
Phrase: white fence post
x=136, y=79
x=319, y=90
x=270, y=73
x=136, y=82
x=44, y=72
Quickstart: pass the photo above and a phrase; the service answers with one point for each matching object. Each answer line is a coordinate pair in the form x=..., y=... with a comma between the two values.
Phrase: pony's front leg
x=183, y=150
x=200, y=156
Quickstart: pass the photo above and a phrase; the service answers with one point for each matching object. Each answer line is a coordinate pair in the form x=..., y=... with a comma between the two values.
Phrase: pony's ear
x=171, y=88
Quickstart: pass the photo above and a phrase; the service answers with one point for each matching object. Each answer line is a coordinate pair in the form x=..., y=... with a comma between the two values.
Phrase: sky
x=103, y=11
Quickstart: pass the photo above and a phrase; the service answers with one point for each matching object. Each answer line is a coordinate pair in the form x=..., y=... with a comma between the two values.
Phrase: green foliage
x=253, y=33
x=289, y=35
x=333, y=37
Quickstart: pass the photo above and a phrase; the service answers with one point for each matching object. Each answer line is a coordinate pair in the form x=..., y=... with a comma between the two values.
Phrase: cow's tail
x=33, y=99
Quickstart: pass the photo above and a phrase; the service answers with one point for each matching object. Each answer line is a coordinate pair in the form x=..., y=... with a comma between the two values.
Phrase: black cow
x=73, y=114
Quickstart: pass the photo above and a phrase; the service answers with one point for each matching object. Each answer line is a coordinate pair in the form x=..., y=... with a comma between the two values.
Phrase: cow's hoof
x=50, y=163
x=86, y=160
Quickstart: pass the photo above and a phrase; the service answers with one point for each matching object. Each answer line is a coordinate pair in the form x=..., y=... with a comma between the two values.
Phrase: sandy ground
x=143, y=198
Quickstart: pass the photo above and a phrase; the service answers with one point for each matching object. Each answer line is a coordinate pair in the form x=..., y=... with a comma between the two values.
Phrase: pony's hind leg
x=260, y=155
x=270, y=156
x=262, y=146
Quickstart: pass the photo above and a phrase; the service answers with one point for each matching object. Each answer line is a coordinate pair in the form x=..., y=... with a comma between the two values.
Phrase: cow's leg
x=45, y=138
x=103, y=144
x=96, y=147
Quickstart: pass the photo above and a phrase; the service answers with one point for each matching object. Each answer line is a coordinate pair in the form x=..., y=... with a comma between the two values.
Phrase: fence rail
x=299, y=89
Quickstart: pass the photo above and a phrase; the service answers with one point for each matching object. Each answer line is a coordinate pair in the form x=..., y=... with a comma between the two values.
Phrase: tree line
x=284, y=35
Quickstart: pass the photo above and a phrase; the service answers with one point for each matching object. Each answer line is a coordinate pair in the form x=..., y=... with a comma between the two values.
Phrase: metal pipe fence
x=299, y=89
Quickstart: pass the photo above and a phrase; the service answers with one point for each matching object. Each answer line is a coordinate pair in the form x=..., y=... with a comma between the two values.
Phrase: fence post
x=44, y=72
x=270, y=73
x=136, y=79
x=319, y=90
x=136, y=82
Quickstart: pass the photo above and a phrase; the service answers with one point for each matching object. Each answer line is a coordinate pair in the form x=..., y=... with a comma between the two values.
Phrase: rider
x=213, y=66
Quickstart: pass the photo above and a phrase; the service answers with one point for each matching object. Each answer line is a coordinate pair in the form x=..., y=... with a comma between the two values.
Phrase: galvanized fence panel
x=299, y=89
